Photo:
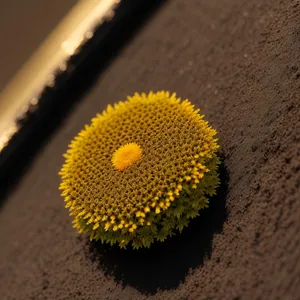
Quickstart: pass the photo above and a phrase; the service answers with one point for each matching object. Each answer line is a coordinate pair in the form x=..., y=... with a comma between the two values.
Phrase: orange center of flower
x=126, y=156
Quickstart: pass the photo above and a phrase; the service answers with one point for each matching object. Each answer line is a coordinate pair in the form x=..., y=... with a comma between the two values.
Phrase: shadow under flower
x=165, y=265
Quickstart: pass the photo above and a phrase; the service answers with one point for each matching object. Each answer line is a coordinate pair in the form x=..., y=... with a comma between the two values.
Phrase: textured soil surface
x=238, y=60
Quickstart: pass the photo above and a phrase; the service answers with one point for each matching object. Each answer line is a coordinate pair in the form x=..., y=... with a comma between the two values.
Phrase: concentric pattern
x=159, y=192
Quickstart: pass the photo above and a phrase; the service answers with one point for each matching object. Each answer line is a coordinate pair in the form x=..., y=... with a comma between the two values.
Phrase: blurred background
x=23, y=27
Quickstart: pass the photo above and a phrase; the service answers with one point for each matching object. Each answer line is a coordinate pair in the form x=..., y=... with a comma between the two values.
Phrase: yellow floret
x=132, y=162
x=126, y=156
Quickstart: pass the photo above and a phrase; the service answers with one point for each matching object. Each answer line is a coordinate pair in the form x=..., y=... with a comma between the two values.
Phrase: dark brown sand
x=238, y=60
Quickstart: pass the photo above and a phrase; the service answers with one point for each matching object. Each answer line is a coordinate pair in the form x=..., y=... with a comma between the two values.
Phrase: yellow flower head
x=140, y=170
x=126, y=156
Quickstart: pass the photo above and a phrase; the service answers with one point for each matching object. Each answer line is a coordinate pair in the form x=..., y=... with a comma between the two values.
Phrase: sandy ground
x=238, y=60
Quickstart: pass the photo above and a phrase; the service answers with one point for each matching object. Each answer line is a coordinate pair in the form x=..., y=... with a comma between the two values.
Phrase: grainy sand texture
x=239, y=62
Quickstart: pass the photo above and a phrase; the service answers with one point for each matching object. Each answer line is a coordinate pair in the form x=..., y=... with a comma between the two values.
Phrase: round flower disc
x=140, y=170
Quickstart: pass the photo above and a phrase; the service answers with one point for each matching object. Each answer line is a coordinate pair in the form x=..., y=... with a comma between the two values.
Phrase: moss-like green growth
x=141, y=170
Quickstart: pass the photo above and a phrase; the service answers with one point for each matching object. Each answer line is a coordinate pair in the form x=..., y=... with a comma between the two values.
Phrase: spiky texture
x=169, y=170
